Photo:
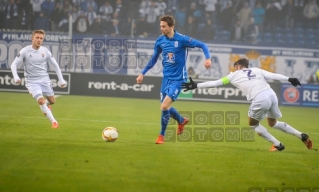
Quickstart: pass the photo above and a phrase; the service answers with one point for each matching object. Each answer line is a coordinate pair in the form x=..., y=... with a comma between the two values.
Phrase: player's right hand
x=139, y=79
x=189, y=86
x=294, y=81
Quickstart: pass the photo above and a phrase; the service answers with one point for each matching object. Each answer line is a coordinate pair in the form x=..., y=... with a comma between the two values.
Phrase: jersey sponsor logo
x=42, y=54
x=291, y=95
x=30, y=55
x=171, y=57
x=176, y=44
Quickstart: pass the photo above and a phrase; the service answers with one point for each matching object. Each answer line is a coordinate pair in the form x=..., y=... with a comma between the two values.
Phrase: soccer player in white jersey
x=252, y=82
x=38, y=83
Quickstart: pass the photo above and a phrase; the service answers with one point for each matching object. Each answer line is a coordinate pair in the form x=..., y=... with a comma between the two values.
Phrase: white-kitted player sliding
x=38, y=83
x=264, y=102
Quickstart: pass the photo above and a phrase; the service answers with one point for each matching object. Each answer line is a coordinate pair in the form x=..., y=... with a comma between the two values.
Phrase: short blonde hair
x=39, y=31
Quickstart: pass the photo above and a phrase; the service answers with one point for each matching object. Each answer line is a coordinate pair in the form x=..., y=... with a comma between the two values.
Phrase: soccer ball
x=110, y=134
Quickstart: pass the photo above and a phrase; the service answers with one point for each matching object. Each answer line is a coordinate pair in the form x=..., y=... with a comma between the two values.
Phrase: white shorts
x=39, y=88
x=265, y=104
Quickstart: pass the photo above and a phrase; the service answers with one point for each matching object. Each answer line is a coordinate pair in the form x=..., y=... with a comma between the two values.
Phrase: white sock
x=47, y=112
x=282, y=126
x=263, y=132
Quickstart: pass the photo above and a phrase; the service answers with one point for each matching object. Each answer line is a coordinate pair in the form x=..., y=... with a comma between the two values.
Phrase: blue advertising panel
x=310, y=95
x=306, y=95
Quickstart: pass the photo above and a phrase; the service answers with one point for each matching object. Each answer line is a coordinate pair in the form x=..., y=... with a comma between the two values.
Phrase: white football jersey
x=35, y=63
x=250, y=81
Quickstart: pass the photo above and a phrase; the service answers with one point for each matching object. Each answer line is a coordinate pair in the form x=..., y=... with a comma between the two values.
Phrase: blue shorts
x=171, y=88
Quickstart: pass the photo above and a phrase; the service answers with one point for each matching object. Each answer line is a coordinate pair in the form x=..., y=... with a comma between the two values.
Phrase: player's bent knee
x=165, y=108
x=272, y=122
x=51, y=99
x=253, y=122
x=41, y=100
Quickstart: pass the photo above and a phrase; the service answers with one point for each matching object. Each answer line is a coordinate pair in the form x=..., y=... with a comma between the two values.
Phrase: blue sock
x=176, y=115
x=164, y=121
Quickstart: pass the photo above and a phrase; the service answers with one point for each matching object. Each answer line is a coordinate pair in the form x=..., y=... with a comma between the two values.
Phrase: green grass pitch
x=35, y=157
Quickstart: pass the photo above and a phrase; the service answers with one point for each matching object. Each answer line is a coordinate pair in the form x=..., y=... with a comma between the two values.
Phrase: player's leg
x=173, y=92
x=36, y=91
x=48, y=92
x=165, y=115
x=257, y=112
x=165, y=108
x=263, y=132
x=274, y=113
x=50, y=100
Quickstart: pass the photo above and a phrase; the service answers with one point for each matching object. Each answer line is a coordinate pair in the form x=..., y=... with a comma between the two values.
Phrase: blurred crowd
x=229, y=20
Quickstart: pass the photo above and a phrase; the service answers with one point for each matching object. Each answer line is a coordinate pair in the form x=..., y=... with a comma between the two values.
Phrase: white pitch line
x=95, y=120
x=86, y=120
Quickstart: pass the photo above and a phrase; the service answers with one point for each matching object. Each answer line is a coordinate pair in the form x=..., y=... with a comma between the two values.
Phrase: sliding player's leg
x=257, y=112
x=274, y=113
x=263, y=132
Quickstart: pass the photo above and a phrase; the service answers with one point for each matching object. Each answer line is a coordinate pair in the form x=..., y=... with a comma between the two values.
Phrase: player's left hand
x=139, y=79
x=189, y=86
x=62, y=84
x=294, y=81
x=208, y=63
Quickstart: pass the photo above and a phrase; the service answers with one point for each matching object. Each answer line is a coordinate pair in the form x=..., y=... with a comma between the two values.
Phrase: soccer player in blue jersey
x=173, y=47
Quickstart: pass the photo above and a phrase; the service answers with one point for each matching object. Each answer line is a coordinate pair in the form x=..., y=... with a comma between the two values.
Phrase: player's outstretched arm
x=192, y=85
x=14, y=71
x=208, y=61
x=153, y=60
x=190, y=42
x=61, y=82
x=275, y=76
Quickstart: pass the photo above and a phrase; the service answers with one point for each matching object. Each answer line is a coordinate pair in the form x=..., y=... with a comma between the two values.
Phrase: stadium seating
x=299, y=31
x=279, y=30
x=268, y=37
x=301, y=42
x=311, y=44
x=224, y=35
x=299, y=36
x=290, y=42
x=260, y=38
x=310, y=32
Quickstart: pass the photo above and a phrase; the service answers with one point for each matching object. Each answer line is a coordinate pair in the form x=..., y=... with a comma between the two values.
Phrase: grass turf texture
x=35, y=157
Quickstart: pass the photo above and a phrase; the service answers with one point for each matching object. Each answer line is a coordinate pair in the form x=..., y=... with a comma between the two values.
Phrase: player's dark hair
x=243, y=62
x=168, y=19
x=39, y=31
